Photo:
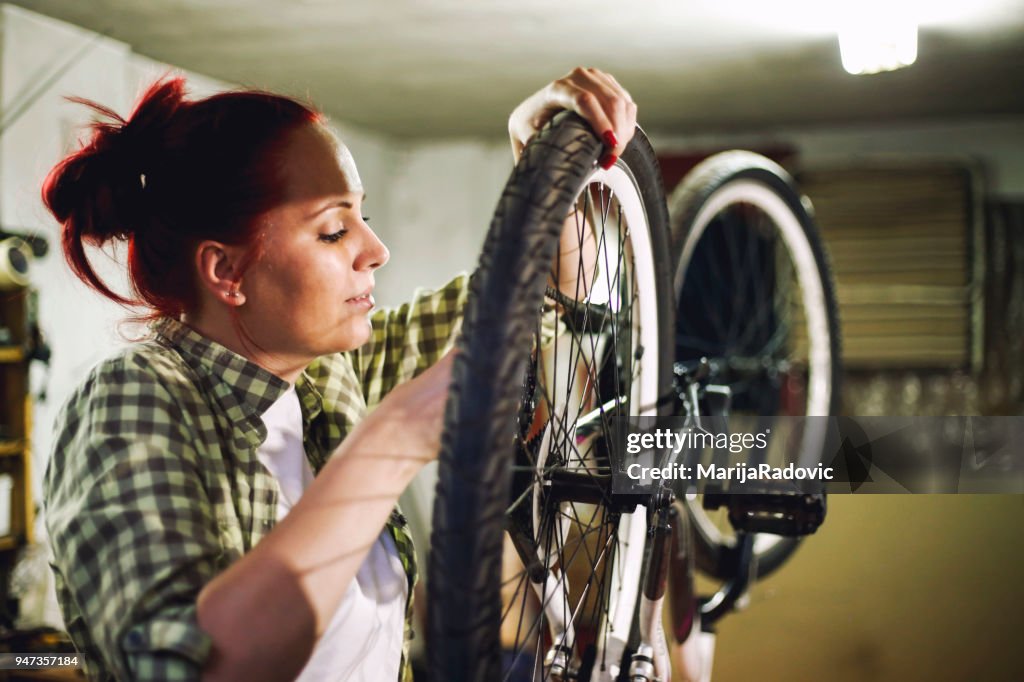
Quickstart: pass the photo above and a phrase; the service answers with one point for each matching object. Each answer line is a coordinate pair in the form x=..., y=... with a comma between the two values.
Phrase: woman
x=221, y=503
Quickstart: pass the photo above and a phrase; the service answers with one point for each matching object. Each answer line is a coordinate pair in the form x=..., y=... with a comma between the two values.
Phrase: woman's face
x=311, y=291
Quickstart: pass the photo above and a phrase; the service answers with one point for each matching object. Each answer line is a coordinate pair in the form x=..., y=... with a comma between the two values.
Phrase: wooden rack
x=15, y=427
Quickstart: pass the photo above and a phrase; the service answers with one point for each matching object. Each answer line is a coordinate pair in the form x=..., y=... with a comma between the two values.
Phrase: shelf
x=12, y=354
x=11, y=447
x=16, y=309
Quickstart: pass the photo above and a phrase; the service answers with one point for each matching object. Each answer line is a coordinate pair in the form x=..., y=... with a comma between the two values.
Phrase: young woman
x=221, y=497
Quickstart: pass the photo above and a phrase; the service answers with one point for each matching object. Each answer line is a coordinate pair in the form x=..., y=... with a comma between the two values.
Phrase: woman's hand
x=594, y=95
x=409, y=420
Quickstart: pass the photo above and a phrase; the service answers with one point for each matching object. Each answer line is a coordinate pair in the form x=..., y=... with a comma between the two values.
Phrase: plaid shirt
x=154, y=487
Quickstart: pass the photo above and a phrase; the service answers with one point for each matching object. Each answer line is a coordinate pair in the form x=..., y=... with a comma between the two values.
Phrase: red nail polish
x=610, y=139
x=608, y=160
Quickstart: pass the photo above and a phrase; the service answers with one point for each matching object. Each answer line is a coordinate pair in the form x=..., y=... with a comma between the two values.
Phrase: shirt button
x=136, y=639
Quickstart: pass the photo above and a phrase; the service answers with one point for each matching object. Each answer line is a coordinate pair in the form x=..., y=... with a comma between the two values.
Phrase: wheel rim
x=756, y=209
x=577, y=378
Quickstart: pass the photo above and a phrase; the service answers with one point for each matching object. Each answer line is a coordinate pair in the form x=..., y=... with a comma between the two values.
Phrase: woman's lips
x=364, y=301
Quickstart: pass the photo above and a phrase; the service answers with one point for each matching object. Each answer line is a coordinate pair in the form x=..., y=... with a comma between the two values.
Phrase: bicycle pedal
x=764, y=510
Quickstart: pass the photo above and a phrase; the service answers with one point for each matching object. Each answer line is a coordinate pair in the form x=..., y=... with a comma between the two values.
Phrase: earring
x=237, y=297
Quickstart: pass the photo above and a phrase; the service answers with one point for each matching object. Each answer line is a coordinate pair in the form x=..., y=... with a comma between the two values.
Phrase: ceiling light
x=875, y=41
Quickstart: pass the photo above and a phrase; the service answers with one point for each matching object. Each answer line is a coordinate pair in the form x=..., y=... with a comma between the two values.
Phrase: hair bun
x=106, y=185
x=142, y=137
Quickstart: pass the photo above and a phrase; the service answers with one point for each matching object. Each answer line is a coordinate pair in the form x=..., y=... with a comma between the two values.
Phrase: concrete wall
x=440, y=199
x=441, y=195
x=79, y=324
x=995, y=144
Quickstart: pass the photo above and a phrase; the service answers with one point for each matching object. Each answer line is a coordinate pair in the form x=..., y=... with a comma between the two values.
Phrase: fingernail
x=610, y=139
x=608, y=160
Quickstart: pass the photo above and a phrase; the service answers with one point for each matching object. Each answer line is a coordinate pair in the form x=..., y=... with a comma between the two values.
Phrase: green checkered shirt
x=153, y=486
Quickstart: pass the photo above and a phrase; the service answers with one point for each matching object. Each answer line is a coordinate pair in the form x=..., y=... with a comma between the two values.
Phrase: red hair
x=174, y=173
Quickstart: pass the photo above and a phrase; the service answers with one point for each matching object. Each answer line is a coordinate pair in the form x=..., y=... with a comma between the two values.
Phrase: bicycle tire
x=724, y=181
x=475, y=465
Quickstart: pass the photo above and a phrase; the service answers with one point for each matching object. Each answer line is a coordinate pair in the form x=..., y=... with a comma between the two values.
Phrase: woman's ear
x=218, y=267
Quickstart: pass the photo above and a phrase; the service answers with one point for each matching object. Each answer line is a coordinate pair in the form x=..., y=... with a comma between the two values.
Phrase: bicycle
x=527, y=450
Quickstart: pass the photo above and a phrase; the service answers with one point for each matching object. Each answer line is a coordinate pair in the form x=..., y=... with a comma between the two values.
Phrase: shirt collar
x=253, y=387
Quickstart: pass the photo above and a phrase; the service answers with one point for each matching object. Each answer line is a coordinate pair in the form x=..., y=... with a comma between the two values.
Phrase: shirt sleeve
x=131, y=524
x=409, y=339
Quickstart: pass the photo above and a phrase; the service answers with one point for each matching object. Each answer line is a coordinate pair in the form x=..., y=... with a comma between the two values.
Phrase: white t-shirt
x=363, y=641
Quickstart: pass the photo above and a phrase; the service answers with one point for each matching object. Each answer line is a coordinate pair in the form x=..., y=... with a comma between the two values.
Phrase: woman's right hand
x=411, y=415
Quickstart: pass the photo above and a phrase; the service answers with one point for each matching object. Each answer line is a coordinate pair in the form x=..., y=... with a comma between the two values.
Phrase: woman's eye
x=366, y=218
x=334, y=236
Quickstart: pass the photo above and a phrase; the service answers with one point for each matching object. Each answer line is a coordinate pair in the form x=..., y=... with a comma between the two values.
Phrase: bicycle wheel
x=755, y=297
x=541, y=372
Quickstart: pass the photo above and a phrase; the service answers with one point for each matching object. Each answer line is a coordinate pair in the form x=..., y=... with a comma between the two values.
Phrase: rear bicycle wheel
x=756, y=299
x=542, y=371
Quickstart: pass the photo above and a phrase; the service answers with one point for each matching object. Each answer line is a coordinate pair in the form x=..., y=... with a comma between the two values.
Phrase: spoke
x=709, y=291
x=583, y=382
x=524, y=585
x=575, y=611
x=547, y=529
x=523, y=495
x=593, y=422
x=732, y=230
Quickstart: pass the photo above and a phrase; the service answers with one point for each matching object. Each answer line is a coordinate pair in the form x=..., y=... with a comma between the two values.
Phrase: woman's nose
x=373, y=253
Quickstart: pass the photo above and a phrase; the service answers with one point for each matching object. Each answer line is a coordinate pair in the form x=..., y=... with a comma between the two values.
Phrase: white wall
x=996, y=144
x=440, y=199
x=441, y=195
x=78, y=324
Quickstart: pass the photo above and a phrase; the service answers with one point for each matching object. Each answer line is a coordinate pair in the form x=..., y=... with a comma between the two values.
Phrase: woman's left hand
x=594, y=95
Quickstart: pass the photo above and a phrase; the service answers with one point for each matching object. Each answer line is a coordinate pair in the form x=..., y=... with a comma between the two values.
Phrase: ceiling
x=456, y=67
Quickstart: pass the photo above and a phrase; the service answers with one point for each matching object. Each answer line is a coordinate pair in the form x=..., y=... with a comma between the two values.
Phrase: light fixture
x=875, y=37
